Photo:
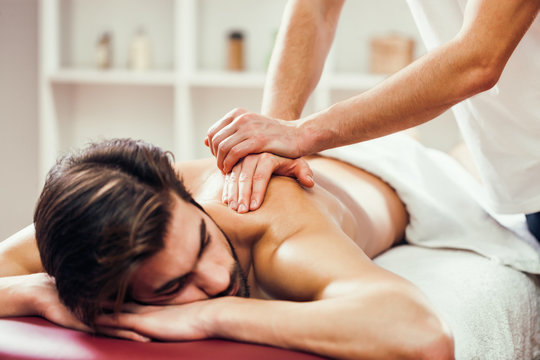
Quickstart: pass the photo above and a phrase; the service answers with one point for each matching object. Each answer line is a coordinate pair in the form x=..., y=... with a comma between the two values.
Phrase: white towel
x=492, y=310
x=443, y=200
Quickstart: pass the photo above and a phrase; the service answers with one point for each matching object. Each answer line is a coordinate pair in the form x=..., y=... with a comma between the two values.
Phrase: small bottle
x=236, y=51
x=104, y=51
x=139, y=52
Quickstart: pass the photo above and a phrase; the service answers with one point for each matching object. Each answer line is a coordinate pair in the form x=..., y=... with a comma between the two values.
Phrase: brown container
x=390, y=53
x=236, y=51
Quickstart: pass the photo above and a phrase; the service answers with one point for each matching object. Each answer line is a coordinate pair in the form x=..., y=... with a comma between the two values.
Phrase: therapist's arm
x=470, y=63
x=303, y=42
x=304, y=39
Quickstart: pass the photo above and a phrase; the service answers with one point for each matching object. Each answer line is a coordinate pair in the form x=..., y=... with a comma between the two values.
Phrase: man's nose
x=212, y=279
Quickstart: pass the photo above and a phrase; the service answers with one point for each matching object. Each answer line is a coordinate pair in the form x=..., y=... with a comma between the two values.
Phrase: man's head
x=200, y=261
x=105, y=212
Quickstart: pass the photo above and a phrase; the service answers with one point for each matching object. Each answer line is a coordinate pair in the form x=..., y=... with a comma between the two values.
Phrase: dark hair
x=102, y=212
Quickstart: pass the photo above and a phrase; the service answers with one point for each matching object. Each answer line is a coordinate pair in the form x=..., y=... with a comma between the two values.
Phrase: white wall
x=104, y=109
x=18, y=113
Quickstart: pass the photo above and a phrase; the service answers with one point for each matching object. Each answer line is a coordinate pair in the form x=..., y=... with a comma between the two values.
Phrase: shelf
x=113, y=77
x=188, y=54
x=227, y=79
x=217, y=79
x=354, y=81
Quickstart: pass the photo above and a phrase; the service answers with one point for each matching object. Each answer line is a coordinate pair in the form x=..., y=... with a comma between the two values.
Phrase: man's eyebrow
x=169, y=284
x=203, y=244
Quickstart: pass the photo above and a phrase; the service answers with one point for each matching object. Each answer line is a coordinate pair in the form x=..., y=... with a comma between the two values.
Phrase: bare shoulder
x=194, y=173
x=19, y=254
x=288, y=207
x=304, y=249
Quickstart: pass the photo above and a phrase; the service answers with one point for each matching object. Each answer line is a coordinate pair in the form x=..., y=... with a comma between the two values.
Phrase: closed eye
x=175, y=285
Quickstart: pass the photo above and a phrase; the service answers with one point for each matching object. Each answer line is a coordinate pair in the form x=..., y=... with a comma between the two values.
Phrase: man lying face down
x=118, y=230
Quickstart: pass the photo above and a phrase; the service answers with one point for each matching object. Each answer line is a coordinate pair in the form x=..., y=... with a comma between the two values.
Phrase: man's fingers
x=122, y=333
x=123, y=321
x=74, y=324
x=134, y=308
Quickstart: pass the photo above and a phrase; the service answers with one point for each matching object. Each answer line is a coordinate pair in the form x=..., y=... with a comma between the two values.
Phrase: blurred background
x=74, y=71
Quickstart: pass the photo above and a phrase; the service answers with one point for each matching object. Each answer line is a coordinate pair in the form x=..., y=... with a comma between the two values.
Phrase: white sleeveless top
x=502, y=125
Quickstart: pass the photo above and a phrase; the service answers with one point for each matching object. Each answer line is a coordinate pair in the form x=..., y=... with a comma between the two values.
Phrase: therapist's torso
x=502, y=125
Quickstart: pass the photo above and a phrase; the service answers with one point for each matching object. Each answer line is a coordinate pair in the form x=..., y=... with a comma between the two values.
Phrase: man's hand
x=40, y=290
x=240, y=133
x=166, y=322
x=245, y=186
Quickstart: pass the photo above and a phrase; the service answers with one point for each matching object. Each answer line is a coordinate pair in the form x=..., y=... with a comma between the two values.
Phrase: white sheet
x=441, y=198
x=493, y=310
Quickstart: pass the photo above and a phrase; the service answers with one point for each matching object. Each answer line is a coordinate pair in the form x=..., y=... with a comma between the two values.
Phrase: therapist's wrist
x=310, y=136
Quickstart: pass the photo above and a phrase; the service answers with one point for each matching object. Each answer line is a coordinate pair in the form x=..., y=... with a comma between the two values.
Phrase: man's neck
x=242, y=230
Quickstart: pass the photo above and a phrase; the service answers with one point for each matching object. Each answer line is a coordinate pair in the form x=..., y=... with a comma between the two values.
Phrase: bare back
x=358, y=203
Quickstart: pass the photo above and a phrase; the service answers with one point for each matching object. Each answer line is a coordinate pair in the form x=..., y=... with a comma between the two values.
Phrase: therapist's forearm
x=410, y=97
x=467, y=65
x=303, y=42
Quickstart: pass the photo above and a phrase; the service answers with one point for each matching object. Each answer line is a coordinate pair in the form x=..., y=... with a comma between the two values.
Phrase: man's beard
x=237, y=277
x=237, y=274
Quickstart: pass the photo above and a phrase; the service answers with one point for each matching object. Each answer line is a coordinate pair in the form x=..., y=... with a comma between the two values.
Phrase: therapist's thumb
x=305, y=177
x=297, y=168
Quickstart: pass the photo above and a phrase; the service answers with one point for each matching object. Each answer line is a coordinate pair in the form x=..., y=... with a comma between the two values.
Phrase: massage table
x=493, y=311
x=492, y=308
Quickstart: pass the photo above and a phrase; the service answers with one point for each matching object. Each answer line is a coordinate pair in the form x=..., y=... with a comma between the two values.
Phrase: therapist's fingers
x=261, y=177
x=224, y=137
x=224, y=121
x=232, y=191
x=245, y=181
x=225, y=192
x=228, y=156
x=297, y=168
x=220, y=124
x=224, y=149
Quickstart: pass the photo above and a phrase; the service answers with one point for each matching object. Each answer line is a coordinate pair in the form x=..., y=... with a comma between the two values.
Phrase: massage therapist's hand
x=240, y=133
x=245, y=186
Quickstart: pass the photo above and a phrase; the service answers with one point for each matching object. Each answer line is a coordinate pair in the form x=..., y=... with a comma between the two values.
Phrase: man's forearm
x=15, y=297
x=303, y=42
x=382, y=323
